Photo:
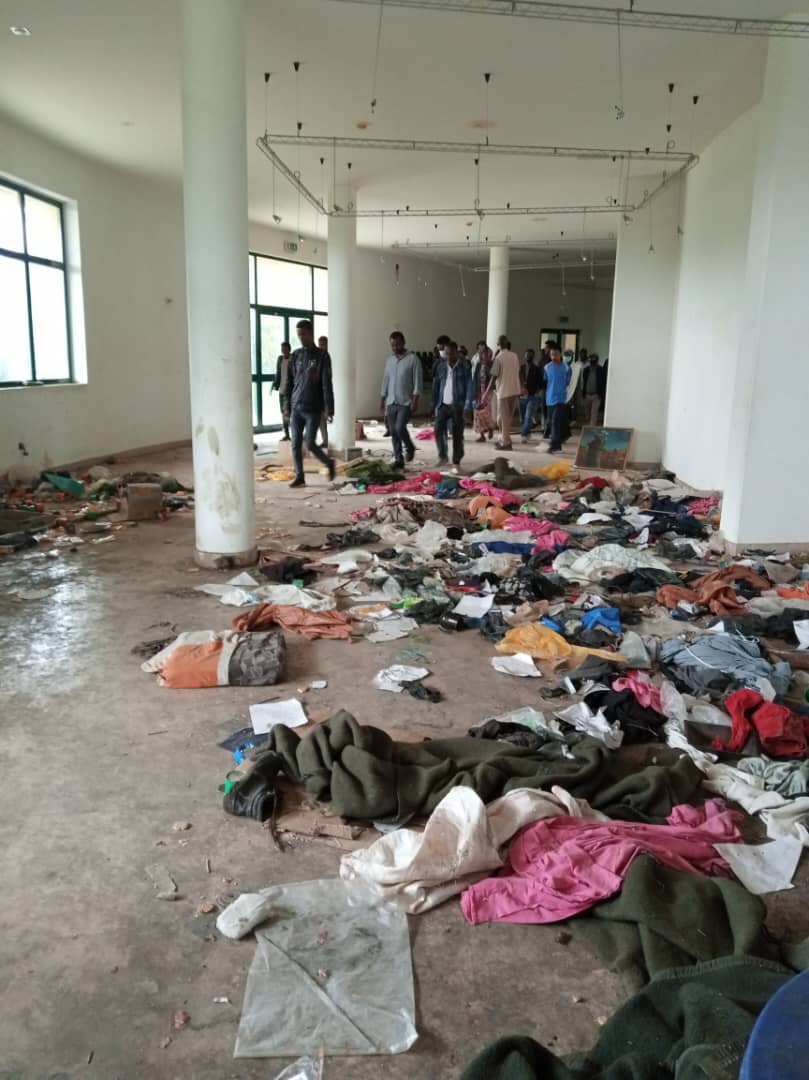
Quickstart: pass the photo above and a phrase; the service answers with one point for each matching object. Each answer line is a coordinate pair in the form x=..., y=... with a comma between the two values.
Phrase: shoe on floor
x=284, y=438
x=254, y=795
x=298, y=482
x=442, y=461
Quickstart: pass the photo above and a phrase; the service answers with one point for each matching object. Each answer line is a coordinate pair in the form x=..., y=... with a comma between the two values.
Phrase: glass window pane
x=251, y=260
x=255, y=404
x=321, y=326
x=270, y=406
x=15, y=365
x=10, y=219
x=272, y=334
x=43, y=229
x=321, y=289
x=284, y=284
x=50, y=322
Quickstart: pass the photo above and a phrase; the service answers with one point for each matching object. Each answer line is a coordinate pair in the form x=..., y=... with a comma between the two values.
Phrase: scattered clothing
x=312, y=624
x=562, y=866
x=713, y=591
x=788, y=778
x=780, y=731
x=720, y=662
x=205, y=658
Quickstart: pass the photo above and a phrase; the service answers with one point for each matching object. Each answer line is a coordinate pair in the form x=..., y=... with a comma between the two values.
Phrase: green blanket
x=691, y=1022
x=368, y=776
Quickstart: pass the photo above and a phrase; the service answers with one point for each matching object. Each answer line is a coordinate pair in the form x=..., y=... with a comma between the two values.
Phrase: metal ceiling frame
x=628, y=16
x=685, y=161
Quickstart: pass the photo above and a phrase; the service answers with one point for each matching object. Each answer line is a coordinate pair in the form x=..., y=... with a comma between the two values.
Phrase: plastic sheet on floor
x=331, y=972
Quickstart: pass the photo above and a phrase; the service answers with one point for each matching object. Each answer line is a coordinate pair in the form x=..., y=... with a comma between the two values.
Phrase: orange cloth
x=298, y=620
x=485, y=508
x=793, y=592
x=192, y=666
x=713, y=591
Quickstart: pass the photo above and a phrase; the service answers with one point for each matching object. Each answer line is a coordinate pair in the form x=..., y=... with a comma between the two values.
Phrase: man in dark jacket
x=531, y=376
x=593, y=386
x=308, y=395
x=281, y=369
x=452, y=383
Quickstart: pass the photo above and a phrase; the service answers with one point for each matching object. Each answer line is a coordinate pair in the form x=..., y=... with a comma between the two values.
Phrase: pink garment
x=553, y=541
x=423, y=484
x=648, y=695
x=507, y=498
x=703, y=506
x=426, y=435
x=562, y=866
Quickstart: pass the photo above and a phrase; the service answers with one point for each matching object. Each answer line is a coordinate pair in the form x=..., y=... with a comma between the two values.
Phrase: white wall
x=535, y=301
x=707, y=320
x=134, y=305
x=642, y=311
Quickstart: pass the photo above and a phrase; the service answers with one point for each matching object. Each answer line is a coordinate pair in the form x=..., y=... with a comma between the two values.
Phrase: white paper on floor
x=331, y=971
x=763, y=868
x=520, y=664
x=590, y=519
x=582, y=717
x=393, y=629
x=391, y=678
x=268, y=714
x=474, y=607
x=801, y=629
x=286, y=595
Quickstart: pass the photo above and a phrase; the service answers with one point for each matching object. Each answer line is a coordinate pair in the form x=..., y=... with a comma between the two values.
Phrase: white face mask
x=443, y=354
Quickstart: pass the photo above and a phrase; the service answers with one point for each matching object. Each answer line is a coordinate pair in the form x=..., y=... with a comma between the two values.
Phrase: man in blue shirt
x=557, y=376
x=401, y=386
x=452, y=384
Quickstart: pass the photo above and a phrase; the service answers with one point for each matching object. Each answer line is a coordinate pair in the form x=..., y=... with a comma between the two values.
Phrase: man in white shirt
x=506, y=373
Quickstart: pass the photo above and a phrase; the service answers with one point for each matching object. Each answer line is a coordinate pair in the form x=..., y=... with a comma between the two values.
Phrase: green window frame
x=29, y=260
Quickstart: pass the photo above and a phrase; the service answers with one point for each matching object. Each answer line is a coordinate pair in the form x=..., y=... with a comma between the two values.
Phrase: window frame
x=27, y=259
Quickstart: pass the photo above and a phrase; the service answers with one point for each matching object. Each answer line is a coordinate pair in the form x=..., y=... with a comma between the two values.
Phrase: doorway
x=568, y=339
x=270, y=327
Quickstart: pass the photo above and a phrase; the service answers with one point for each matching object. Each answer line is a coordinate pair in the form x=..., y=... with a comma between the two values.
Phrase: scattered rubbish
x=318, y=684
x=473, y=607
x=287, y=1008
x=392, y=629
x=205, y=658
x=520, y=664
x=221, y=1001
x=305, y=1068
x=392, y=678
x=563, y=938
x=182, y=1018
x=181, y=826
x=66, y=484
x=266, y=715
x=162, y=882
x=206, y=907
x=165, y=1042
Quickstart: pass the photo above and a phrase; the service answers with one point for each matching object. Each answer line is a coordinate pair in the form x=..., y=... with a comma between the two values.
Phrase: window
x=34, y=316
x=281, y=293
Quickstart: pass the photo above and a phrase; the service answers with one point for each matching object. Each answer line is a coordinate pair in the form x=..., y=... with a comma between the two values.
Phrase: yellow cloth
x=276, y=474
x=557, y=470
x=542, y=643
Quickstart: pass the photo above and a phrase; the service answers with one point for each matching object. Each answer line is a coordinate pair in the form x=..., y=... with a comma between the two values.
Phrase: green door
x=272, y=326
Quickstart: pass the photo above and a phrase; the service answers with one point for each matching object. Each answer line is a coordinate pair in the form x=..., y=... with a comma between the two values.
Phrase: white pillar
x=765, y=485
x=643, y=302
x=215, y=200
x=497, y=313
x=342, y=346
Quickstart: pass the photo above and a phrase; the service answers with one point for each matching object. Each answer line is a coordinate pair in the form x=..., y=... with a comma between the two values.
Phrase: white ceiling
x=102, y=76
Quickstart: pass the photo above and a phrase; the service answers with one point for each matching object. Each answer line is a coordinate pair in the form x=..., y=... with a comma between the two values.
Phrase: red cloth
x=562, y=866
x=424, y=484
x=781, y=732
x=593, y=481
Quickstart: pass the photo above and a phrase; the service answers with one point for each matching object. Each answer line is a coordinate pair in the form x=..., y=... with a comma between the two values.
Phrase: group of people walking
x=492, y=386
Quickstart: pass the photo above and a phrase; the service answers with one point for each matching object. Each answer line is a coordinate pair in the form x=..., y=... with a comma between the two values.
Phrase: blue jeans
x=444, y=416
x=527, y=407
x=557, y=418
x=398, y=417
x=304, y=425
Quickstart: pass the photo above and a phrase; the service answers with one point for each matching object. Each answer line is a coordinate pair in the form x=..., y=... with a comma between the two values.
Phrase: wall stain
x=213, y=441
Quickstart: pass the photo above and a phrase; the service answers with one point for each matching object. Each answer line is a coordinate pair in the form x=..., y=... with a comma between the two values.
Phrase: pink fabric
x=552, y=541
x=423, y=484
x=506, y=498
x=562, y=866
x=426, y=435
x=703, y=506
x=647, y=694
x=362, y=515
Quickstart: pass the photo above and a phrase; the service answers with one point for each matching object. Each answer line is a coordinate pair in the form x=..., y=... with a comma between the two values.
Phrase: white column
x=640, y=336
x=497, y=313
x=765, y=485
x=342, y=249
x=215, y=200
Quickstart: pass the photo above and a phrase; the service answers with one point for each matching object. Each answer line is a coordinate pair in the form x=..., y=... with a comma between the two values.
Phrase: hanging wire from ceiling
x=619, y=108
x=487, y=75
x=651, y=227
x=564, y=287
x=266, y=102
x=668, y=122
x=296, y=64
x=377, y=51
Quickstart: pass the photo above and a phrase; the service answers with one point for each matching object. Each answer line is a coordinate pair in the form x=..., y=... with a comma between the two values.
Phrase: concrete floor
x=97, y=763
